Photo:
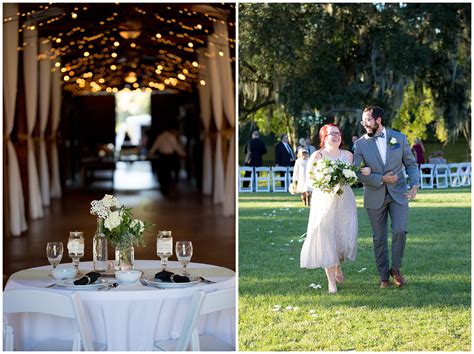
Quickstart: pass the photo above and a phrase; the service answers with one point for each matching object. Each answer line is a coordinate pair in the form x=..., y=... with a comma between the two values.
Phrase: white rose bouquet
x=120, y=227
x=329, y=176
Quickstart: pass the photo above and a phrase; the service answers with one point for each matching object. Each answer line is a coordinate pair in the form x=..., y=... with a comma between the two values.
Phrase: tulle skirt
x=332, y=230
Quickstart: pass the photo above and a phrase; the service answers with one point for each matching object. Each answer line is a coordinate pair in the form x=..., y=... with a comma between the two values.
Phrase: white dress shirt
x=382, y=146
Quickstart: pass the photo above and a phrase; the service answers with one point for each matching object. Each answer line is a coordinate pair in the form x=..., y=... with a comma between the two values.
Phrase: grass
x=432, y=313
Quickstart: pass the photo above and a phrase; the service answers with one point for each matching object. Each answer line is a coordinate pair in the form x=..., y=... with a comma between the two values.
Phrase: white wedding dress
x=332, y=227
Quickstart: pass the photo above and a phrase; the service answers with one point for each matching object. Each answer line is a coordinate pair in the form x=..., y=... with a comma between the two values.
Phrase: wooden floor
x=189, y=215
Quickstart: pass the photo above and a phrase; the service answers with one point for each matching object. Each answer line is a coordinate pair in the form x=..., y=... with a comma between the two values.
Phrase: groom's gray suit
x=382, y=199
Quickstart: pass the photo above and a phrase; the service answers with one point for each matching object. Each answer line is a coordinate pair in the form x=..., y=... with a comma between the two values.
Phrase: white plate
x=70, y=284
x=168, y=285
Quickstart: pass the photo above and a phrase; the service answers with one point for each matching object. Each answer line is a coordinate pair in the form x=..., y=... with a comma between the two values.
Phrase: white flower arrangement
x=393, y=141
x=120, y=227
x=330, y=176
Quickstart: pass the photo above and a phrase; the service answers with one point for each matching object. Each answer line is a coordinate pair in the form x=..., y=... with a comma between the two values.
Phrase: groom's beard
x=373, y=130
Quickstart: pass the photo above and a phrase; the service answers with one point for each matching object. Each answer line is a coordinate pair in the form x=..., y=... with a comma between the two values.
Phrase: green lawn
x=432, y=313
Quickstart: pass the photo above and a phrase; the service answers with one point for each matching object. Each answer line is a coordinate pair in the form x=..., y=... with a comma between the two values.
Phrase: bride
x=331, y=237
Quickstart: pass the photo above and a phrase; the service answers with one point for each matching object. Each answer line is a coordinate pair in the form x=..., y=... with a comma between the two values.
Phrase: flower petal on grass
x=289, y=308
x=312, y=311
x=272, y=243
x=362, y=270
x=315, y=286
x=291, y=259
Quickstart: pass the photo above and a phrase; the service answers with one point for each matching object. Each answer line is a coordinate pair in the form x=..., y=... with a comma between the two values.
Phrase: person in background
x=254, y=150
x=309, y=147
x=299, y=177
x=437, y=158
x=419, y=151
x=354, y=139
x=284, y=155
x=168, y=150
x=302, y=145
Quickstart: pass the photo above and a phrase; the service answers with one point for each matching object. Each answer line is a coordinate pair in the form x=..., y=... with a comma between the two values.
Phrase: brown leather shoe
x=384, y=284
x=398, y=279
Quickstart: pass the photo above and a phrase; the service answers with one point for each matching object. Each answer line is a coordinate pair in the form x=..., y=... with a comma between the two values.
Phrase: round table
x=129, y=317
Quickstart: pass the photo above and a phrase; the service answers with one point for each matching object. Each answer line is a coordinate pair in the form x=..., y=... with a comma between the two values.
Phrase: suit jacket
x=253, y=151
x=282, y=156
x=398, y=155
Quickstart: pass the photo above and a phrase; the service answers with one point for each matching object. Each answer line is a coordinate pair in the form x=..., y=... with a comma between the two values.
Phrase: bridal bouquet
x=329, y=176
x=120, y=227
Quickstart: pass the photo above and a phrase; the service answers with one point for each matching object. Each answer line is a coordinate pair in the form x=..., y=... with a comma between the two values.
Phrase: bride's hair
x=323, y=134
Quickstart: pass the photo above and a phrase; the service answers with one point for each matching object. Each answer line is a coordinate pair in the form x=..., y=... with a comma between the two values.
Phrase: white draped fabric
x=30, y=69
x=216, y=89
x=44, y=99
x=228, y=100
x=10, y=72
x=205, y=103
x=55, y=118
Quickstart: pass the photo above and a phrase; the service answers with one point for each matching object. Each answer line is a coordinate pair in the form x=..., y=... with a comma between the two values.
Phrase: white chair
x=189, y=338
x=426, y=175
x=262, y=179
x=289, y=176
x=454, y=171
x=441, y=175
x=465, y=173
x=37, y=301
x=279, y=175
x=246, y=174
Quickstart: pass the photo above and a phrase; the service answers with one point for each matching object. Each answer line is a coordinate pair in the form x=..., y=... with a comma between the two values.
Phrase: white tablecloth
x=129, y=317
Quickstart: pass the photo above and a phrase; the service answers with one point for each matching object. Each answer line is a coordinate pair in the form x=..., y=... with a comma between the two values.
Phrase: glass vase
x=124, y=257
x=100, y=248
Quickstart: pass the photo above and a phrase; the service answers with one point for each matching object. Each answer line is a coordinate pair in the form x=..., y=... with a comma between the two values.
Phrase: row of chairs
x=36, y=301
x=265, y=179
x=445, y=175
x=278, y=179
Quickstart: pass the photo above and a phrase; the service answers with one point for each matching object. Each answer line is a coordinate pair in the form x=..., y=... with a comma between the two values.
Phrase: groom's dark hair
x=376, y=112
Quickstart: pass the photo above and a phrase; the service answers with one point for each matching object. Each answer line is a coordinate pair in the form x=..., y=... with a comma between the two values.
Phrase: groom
x=386, y=151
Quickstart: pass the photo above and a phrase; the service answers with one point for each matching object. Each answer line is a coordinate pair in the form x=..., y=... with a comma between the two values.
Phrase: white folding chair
x=454, y=171
x=246, y=174
x=426, y=175
x=465, y=173
x=37, y=301
x=289, y=176
x=262, y=179
x=189, y=338
x=441, y=175
x=279, y=174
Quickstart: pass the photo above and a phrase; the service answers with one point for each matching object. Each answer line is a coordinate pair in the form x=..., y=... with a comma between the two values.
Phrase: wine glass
x=54, y=252
x=164, y=247
x=184, y=252
x=75, y=248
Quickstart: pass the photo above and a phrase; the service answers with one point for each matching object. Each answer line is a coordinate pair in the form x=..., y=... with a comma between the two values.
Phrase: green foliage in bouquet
x=329, y=176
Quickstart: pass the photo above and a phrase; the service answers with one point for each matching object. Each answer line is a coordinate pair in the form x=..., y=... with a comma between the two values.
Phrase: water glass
x=75, y=247
x=54, y=252
x=184, y=252
x=164, y=247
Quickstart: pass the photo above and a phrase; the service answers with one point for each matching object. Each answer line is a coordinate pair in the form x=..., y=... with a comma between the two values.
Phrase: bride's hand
x=366, y=171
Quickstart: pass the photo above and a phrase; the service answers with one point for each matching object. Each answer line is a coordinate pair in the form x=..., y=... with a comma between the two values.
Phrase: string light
x=171, y=68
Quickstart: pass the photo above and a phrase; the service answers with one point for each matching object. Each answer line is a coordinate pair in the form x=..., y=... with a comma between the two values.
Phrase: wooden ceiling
x=92, y=54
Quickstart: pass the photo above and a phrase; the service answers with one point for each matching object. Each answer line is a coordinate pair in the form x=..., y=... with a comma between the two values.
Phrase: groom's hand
x=411, y=194
x=390, y=178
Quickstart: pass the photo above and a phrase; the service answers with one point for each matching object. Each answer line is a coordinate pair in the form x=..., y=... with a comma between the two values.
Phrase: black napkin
x=170, y=277
x=89, y=278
